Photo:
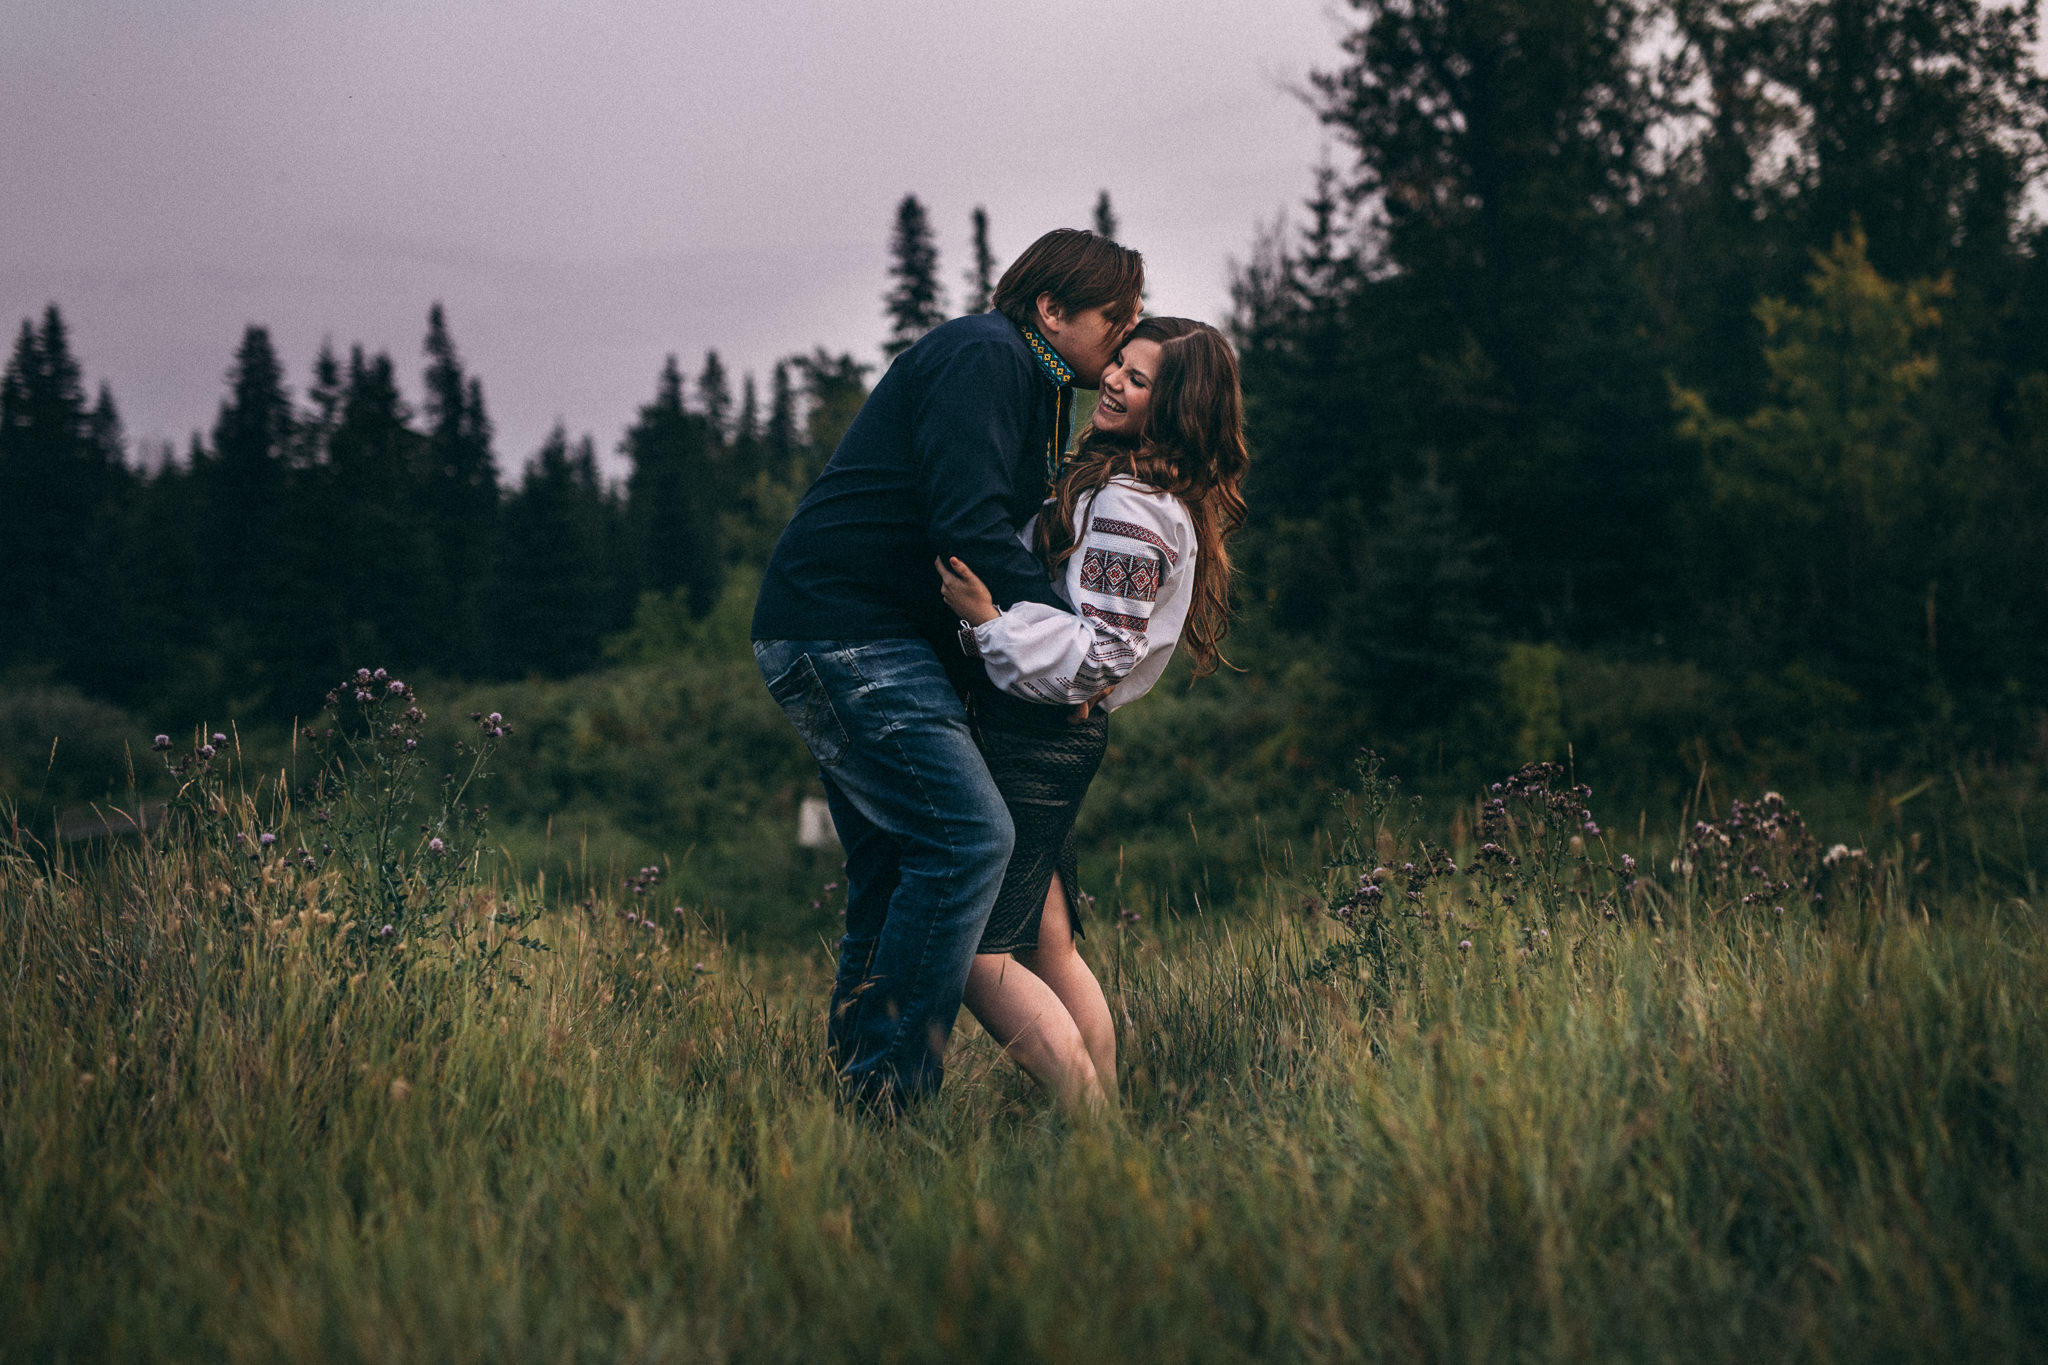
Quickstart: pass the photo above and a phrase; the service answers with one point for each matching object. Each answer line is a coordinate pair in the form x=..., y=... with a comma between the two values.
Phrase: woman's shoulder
x=1130, y=509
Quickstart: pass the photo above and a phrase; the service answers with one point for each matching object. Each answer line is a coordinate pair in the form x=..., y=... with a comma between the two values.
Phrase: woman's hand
x=966, y=596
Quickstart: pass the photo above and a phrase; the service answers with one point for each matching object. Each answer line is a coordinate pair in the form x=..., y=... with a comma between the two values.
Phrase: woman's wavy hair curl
x=1193, y=448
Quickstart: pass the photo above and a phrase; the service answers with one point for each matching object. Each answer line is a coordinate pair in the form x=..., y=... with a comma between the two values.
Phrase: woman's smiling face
x=1125, y=399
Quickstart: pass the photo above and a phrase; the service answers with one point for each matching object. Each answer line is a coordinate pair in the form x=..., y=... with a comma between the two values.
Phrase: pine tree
x=714, y=397
x=248, y=570
x=63, y=488
x=1105, y=216
x=743, y=457
x=247, y=474
x=981, y=276
x=380, y=541
x=835, y=386
x=1415, y=637
x=669, y=499
x=915, y=302
x=462, y=501
x=560, y=592
x=317, y=424
x=780, y=454
x=1504, y=157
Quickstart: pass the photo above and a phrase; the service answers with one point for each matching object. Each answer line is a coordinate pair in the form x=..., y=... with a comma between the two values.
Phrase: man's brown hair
x=1081, y=270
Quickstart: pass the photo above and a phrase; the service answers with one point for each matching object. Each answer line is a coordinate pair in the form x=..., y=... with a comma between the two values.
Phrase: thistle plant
x=406, y=890
x=1378, y=889
x=1542, y=849
x=355, y=863
x=1761, y=859
x=1401, y=902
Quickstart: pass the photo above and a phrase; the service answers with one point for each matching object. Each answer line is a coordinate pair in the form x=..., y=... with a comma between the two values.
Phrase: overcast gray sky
x=589, y=186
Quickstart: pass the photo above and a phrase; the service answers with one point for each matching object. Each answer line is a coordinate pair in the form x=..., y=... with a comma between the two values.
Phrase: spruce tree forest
x=1661, y=388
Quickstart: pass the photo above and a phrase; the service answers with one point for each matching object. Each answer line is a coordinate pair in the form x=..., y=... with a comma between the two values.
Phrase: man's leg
x=889, y=734
x=872, y=872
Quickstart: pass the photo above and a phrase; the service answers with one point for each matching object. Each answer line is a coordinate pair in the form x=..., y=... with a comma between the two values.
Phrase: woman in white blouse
x=1134, y=538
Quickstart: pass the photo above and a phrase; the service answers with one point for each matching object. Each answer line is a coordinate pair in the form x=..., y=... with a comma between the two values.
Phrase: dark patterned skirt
x=1042, y=762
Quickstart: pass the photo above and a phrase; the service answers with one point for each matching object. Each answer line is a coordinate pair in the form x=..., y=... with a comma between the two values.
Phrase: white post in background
x=814, y=827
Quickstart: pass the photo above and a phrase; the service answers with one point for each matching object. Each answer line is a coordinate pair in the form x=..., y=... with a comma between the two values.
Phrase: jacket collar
x=1049, y=362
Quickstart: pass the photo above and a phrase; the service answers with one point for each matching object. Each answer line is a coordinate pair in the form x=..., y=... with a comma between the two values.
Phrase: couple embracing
x=948, y=619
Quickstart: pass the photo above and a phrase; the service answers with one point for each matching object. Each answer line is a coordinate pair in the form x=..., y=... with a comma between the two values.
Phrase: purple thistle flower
x=219, y=738
x=435, y=845
x=386, y=932
x=161, y=742
x=1463, y=944
x=266, y=840
x=395, y=688
x=380, y=675
x=495, y=719
x=362, y=694
x=206, y=751
x=411, y=744
x=362, y=675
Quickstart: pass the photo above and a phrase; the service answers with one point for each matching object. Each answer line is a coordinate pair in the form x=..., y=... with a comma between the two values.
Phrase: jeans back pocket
x=801, y=694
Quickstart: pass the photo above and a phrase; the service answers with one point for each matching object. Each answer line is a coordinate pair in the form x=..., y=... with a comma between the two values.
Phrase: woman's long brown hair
x=1192, y=447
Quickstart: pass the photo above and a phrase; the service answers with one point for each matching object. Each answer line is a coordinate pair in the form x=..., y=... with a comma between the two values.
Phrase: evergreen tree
x=714, y=397
x=669, y=498
x=746, y=432
x=380, y=535
x=247, y=474
x=1927, y=118
x=835, y=386
x=250, y=571
x=461, y=480
x=981, y=276
x=63, y=486
x=561, y=590
x=1105, y=216
x=780, y=454
x=1501, y=151
x=1415, y=638
x=915, y=302
x=1831, y=511
x=316, y=426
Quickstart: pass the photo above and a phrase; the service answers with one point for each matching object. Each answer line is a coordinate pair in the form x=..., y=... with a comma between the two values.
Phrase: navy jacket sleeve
x=970, y=425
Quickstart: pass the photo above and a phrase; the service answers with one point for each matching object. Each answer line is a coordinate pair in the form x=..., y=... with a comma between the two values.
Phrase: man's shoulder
x=989, y=338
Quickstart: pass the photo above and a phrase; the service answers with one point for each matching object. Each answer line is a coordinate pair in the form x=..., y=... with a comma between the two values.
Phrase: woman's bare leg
x=1023, y=1014
x=1057, y=963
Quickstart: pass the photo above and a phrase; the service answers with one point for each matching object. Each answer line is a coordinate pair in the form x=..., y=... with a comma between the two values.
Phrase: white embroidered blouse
x=1130, y=581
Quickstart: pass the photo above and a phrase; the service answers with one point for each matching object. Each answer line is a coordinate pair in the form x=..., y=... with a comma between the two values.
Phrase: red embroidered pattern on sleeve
x=1135, y=624
x=1130, y=530
x=1134, y=578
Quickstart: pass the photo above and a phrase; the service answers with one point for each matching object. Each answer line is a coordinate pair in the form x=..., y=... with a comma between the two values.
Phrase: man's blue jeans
x=927, y=838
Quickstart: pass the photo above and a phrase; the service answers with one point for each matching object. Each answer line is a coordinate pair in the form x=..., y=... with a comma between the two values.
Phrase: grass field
x=1552, y=1108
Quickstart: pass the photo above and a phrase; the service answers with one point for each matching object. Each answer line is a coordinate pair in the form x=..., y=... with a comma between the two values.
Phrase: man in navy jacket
x=952, y=452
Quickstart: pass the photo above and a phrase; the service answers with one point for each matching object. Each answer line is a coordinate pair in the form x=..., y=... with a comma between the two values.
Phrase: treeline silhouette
x=1673, y=372
x=344, y=524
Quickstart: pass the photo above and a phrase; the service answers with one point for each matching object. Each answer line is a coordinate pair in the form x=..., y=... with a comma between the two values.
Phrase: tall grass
x=1634, y=1119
